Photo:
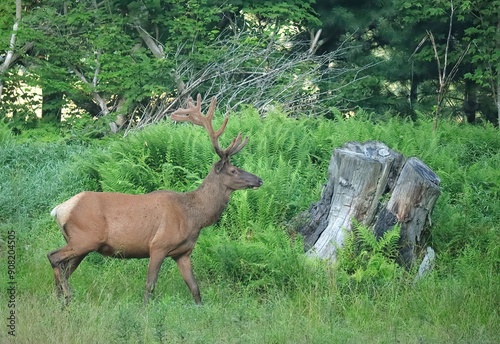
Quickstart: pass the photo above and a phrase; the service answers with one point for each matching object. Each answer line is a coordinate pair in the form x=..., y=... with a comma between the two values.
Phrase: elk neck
x=209, y=200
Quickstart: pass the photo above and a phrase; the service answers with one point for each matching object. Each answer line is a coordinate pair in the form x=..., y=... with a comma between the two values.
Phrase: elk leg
x=64, y=261
x=72, y=264
x=184, y=264
x=155, y=262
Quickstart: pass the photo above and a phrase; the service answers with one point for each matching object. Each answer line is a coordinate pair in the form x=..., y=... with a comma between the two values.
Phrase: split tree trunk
x=379, y=188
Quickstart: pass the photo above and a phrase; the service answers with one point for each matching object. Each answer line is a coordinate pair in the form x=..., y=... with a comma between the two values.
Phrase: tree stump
x=379, y=188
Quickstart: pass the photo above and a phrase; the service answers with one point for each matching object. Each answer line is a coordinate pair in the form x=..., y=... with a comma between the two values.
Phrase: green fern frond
x=365, y=238
x=366, y=259
x=388, y=244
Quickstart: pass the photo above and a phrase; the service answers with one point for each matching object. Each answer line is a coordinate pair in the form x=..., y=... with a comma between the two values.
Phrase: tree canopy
x=116, y=60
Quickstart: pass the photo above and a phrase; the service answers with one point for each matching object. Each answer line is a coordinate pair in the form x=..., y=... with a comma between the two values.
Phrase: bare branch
x=95, y=79
x=436, y=55
x=314, y=42
x=448, y=38
x=282, y=73
x=155, y=48
x=444, y=79
x=95, y=95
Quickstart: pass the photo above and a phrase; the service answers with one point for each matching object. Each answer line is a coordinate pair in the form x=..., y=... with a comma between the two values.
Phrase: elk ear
x=219, y=165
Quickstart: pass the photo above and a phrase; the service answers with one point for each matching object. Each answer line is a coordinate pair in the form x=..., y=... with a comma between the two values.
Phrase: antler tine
x=236, y=145
x=194, y=115
x=210, y=115
x=192, y=112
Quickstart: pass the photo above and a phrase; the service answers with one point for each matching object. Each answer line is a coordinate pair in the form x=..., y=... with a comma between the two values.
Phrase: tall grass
x=257, y=284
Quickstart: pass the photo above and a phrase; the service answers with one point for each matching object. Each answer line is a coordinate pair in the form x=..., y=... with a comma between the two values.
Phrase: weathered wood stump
x=379, y=188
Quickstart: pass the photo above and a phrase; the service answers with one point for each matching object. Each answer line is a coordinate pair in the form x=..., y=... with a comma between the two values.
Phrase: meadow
x=257, y=284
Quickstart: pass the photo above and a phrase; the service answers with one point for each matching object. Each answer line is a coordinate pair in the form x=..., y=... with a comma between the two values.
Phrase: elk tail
x=53, y=212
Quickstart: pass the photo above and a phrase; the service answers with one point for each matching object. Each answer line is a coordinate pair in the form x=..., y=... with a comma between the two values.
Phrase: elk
x=155, y=225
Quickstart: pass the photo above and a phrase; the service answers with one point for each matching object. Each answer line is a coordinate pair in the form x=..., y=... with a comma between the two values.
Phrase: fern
x=261, y=260
x=363, y=258
x=388, y=244
x=365, y=238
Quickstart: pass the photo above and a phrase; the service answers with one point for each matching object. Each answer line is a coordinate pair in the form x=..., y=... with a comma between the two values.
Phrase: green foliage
x=33, y=176
x=253, y=274
x=483, y=33
x=34, y=130
x=92, y=53
x=271, y=16
x=156, y=158
x=89, y=50
x=101, y=57
x=83, y=129
x=260, y=261
x=5, y=133
x=368, y=260
x=178, y=157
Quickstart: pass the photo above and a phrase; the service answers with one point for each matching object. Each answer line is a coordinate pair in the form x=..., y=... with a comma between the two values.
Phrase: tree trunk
x=470, y=105
x=379, y=188
x=410, y=205
x=9, y=56
x=497, y=102
x=415, y=82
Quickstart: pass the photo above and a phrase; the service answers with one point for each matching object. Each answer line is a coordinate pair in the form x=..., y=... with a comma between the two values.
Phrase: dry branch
x=282, y=73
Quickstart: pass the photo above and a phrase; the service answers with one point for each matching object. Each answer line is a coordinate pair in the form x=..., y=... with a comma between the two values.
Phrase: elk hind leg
x=64, y=261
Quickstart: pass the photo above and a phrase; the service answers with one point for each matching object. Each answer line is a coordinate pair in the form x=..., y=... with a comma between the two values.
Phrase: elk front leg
x=184, y=264
x=155, y=262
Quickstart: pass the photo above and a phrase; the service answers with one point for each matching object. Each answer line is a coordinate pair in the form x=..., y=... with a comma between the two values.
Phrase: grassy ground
x=257, y=285
x=447, y=312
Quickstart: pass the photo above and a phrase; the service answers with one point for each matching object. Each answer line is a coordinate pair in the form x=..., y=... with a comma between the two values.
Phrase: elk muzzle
x=253, y=181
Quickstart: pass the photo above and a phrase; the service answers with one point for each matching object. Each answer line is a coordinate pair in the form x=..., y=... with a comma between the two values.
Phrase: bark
x=498, y=99
x=98, y=99
x=360, y=177
x=470, y=105
x=155, y=48
x=9, y=56
x=410, y=205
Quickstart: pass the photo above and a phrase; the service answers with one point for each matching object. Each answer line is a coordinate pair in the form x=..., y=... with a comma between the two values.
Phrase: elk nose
x=259, y=183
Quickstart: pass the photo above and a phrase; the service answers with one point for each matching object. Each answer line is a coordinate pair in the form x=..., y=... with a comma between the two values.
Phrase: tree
x=453, y=26
x=10, y=53
x=484, y=34
x=367, y=29
x=446, y=72
x=85, y=53
x=387, y=33
x=265, y=74
x=112, y=56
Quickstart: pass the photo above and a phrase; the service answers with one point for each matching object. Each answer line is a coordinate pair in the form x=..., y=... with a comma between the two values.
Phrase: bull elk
x=155, y=225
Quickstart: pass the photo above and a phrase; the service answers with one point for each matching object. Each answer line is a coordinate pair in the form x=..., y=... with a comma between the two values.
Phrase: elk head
x=232, y=177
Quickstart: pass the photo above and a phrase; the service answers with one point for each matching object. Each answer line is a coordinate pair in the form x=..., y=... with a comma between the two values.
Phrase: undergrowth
x=364, y=259
x=257, y=283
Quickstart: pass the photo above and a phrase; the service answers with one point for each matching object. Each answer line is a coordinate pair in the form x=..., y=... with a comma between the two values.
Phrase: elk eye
x=233, y=171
